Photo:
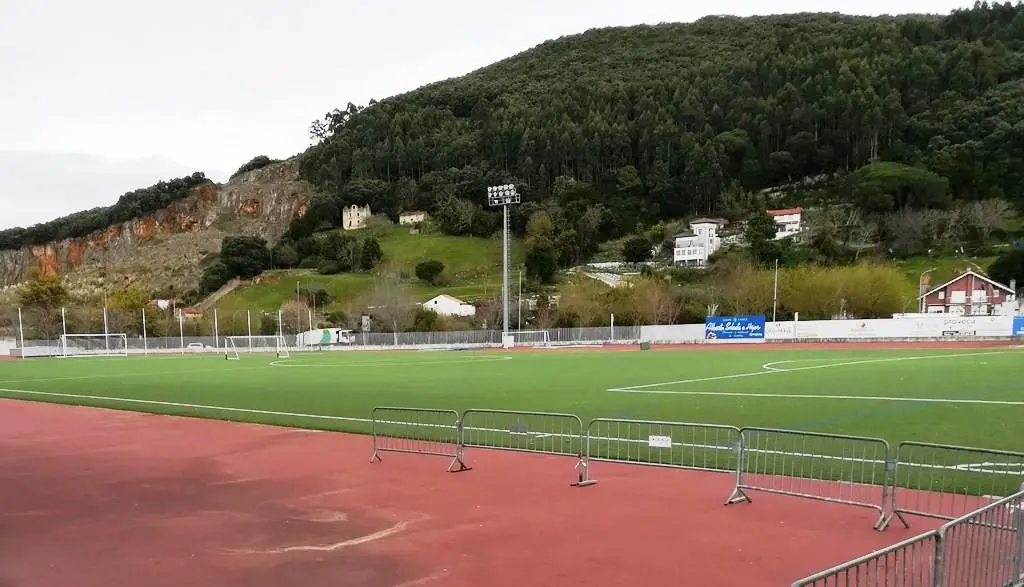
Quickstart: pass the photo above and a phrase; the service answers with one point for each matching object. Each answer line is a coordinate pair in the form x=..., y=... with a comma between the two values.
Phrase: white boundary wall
x=937, y=326
x=934, y=327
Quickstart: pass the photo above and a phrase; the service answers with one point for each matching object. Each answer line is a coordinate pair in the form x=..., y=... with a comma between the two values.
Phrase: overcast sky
x=105, y=96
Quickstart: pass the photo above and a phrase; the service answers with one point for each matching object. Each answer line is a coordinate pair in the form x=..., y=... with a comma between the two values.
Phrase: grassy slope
x=575, y=382
x=946, y=268
x=473, y=267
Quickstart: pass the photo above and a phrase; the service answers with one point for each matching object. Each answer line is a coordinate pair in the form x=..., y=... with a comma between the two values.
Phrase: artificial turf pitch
x=963, y=396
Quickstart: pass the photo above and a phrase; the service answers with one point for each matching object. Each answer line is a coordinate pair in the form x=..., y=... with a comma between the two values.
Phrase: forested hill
x=620, y=126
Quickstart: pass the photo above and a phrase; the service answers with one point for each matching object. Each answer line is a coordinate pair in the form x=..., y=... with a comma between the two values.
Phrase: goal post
x=536, y=338
x=93, y=345
x=233, y=345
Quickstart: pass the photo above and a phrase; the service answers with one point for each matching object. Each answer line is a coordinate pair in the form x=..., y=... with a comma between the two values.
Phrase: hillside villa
x=694, y=247
x=970, y=294
x=787, y=221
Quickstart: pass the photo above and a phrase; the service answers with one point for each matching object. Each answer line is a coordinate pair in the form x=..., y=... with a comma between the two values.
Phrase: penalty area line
x=877, y=398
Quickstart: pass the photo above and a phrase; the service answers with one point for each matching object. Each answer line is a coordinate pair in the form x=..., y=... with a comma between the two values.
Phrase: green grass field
x=968, y=396
x=472, y=267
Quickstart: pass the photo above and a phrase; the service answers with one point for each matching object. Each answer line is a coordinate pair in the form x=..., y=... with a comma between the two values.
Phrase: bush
x=311, y=262
x=257, y=162
x=371, y=254
x=636, y=250
x=328, y=267
x=430, y=270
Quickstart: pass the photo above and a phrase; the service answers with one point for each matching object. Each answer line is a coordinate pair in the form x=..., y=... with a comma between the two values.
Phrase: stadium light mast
x=504, y=196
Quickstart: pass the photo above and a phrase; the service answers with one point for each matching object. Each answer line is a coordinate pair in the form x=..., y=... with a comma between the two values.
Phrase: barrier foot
x=738, y=496
x=376, y=457
x=886, y=521
x=458, y=465
x=583, y=472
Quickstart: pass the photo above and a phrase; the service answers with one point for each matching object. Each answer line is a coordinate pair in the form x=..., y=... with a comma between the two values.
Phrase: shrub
x=257, y=162
x=328, y=267
x=430, y=270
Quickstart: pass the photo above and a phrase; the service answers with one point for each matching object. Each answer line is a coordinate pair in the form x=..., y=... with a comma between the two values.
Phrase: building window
x=942, y=295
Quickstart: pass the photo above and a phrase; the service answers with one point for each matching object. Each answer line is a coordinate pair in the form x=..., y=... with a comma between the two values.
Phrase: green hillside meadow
x=472, y=267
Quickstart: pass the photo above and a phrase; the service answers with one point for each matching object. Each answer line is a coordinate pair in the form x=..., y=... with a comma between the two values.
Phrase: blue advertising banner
x=733, y=327
x=1018, y=326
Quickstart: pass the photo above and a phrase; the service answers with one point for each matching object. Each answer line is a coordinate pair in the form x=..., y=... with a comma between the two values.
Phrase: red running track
x=92, y=497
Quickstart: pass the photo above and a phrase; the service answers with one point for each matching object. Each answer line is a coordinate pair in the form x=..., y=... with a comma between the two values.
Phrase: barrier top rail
x=839, y=570
x=664, y=423
x=520, y=413
x=815, y=434
x=1001, y=503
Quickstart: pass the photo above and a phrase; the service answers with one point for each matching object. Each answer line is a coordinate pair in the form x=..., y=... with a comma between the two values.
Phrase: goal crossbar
x=531, y=337
x=255, y=344
x=93, y=345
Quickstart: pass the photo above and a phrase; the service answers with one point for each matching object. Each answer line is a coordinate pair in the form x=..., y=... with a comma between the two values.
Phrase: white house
x=411, y=217
x=446, y=305
x=355, y=217
x=693, y=248
x=787, y=221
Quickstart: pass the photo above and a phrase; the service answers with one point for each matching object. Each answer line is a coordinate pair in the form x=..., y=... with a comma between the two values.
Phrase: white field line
x=998, y=468
x=878, y=398
x=123, y=375
x=282, y=363
x=768, y=369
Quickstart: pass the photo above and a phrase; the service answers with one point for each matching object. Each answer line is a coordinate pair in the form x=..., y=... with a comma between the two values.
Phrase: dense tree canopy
x=637, y=124
x=131, y=205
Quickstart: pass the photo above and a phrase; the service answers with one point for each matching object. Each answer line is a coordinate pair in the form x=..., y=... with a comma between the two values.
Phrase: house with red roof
x=787, y=221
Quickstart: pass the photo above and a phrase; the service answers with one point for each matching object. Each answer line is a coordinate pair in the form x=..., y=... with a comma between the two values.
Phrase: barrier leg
x=583, y=472
x=738, y=495
x=458, y=463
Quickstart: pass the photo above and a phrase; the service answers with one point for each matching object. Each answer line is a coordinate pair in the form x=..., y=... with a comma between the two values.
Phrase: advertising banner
x=1018, y=326
x=734, y=327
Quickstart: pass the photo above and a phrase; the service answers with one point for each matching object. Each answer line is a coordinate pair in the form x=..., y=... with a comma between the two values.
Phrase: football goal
x=536, y=338
x=255, y=344
x=93, y=345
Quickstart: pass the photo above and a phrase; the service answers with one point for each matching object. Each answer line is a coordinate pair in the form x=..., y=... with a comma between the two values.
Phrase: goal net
x=255, y=344
x=93, y=345
x=536, y=338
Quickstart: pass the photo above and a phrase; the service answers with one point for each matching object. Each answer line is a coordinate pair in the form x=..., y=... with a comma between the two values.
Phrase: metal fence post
x=738, y=495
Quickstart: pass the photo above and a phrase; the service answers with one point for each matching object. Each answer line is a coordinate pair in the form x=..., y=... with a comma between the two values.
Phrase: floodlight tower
x=504, y=196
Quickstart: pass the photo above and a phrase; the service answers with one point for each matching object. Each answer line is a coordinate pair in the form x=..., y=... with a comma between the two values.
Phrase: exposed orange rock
x=263, y=204
x=144, y=228
x=76, y=253
x=207, y=192
x=46, y=259
x=250, y=207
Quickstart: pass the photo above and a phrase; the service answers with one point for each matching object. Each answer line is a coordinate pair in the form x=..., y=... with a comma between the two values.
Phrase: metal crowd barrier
x=910, y=563
x=826, y=467
x=947, y=481
x=540, y=432
x=705, y=447
x=418, y=431
x=982, y=549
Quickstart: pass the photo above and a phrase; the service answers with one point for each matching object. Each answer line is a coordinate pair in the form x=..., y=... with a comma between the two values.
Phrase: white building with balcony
x=694, y=247
x=787, y=222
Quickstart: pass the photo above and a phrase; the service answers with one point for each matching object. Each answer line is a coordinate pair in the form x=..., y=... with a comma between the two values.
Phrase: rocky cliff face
x=167, y=247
